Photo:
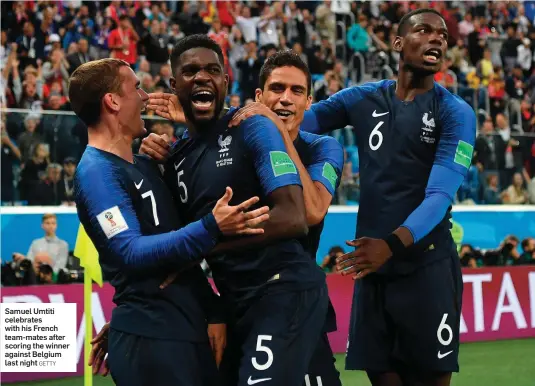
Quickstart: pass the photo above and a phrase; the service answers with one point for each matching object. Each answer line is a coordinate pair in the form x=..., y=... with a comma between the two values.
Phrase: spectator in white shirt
x=57, y=249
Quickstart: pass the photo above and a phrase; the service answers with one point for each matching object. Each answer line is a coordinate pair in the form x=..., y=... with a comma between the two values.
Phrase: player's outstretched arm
x=335, y=112
x=452, y=161
x=104, y=201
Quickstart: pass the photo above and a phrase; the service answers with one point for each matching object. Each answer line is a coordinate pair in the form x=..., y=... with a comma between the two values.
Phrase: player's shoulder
x=354, y=94
x=96, y=166
x=451, y=104
x=323, y=143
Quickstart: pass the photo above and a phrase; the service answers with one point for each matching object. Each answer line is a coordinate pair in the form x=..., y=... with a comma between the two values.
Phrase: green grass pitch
x=502, y=363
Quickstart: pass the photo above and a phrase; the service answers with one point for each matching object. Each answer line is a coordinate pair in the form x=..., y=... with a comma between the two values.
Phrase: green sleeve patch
x=281, y=163
x=463, y=154
x=330, y=174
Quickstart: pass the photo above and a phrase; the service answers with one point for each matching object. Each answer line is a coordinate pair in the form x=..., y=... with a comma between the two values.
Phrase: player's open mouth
x=202, y=99
x=284, y=114
x=432, y=55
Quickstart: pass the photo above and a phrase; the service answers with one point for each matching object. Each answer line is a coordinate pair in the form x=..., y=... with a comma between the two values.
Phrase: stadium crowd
x=490, y=63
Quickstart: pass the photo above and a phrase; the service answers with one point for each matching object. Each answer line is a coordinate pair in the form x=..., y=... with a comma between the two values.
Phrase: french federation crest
x=224, y=143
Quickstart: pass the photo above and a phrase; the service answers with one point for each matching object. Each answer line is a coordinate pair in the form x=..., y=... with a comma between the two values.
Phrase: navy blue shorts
x=273, y=338
x=139, y=361
x=407, y=323
x=321, y=369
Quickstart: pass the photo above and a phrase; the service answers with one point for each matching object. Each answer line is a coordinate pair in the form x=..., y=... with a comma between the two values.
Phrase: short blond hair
x=47, y=216
x=90, y=82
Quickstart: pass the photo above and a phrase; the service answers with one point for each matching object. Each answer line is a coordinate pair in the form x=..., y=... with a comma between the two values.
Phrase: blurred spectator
x=249, y=66
x=234, y=101
x=80, y=57
x=329, y=261
x=67, y=185
x=505, y=254
x=10, y=155
x=489, y=149
x=49, y=249
x=469, y=257
x=33, y=170
x=528, y=251
x=492, y=195
x=56, y=71
x=516, y=193
x=29, y=138
x=49, y=191
x=155, y=45
x=122, y=41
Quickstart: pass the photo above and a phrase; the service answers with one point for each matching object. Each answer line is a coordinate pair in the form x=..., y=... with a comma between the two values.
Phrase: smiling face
x=286, y=93
x=130, y=103
x=201, y=85
x=423, y=43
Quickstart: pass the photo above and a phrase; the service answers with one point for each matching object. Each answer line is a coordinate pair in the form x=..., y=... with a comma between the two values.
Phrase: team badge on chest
x=427, y=134
x=224, y=158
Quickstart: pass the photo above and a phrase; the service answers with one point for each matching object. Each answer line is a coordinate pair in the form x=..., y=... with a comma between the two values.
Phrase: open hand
x=235, y=220
x=256, y=108
x=166, y=106
x=99, y=351
x=369, y=255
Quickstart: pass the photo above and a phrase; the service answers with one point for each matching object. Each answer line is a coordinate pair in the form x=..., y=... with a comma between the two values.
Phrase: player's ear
x=309, y=102
x=172, y=83
x=258, y=95
x=111, y=102
x=227, y=80
x=398, y=44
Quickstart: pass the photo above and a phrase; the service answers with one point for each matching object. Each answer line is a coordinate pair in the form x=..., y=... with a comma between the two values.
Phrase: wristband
x=395, y=244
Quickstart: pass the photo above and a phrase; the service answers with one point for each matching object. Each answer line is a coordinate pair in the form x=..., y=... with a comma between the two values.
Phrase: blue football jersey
x=413, y=156
x=128, y=212
x=252, y=160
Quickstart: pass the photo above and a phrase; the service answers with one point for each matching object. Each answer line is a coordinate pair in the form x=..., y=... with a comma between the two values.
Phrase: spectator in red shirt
x=122, y=41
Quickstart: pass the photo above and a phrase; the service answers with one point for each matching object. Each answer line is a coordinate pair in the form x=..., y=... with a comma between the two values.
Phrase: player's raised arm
x=280, y=183
x=107, y=213
x=335, y=112
x=320, y=178
x=452, y=161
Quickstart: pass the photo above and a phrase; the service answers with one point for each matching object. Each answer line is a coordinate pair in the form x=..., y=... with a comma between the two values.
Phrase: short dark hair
x=525, y=243
x=285, y=58
x=90, y=82
x=404, y=22
x=194, y=41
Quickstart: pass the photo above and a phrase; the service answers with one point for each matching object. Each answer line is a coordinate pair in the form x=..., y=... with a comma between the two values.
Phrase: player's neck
x=112, y=142
x=411, y=84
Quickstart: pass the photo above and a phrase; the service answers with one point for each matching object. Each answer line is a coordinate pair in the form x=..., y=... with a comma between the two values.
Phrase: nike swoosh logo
x=440, y=356
x=138, y=185
x=251, y=381
x=180, y=163
x=375, y=114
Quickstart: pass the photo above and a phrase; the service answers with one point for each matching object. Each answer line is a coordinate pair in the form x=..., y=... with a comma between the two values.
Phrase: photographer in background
x=329, y=261
x=505, y=254
x=470, y=257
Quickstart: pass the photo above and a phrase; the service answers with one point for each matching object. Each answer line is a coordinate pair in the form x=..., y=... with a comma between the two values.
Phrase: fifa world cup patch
x=463, y=154
x=281, y=163
x=112, y=222
x=330, y=174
